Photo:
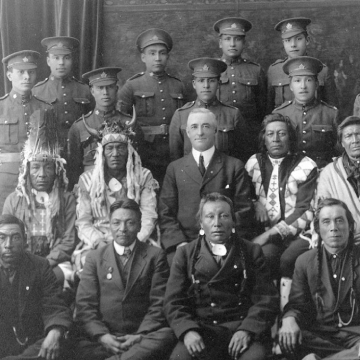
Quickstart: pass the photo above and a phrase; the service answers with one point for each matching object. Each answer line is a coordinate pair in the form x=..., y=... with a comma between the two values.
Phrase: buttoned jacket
x=198, y=291
x=184, y=186
x=104, y=305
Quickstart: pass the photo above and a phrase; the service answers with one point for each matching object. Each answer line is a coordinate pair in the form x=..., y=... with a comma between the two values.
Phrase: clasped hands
x=117, y=344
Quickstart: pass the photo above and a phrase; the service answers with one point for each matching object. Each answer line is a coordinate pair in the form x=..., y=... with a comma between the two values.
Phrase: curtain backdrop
x=24, y=23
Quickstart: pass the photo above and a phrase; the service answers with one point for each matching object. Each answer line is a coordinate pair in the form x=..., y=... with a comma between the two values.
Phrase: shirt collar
x=157, y=76
x=20, y=99
x=102, y=113
x=207, y=154
x=276, y=161
x=230, y=61
x=200, y=103
x=61, y=80
x=119, y=249
x=307, y=106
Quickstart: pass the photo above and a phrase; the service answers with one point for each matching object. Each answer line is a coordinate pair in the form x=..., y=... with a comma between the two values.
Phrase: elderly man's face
x=201, y=131
x=217, y=222
x=351, y=140
x=11, y=243
x=116, y=155
x=277, y=139
x=334, y=228
x=42, y=175
x=124, y=226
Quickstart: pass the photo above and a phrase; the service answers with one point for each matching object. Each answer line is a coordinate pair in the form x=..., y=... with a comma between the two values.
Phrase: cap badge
x=154, y=38
x=60, y=45
x=205, y=68
x=301, y=67
x=103, y=75
x=233, y=26
x=25, y=59
x=289, y=26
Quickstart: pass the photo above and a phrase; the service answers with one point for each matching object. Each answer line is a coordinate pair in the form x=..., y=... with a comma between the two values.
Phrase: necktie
x=125, y=256
x=201, y=165
x=273, y=198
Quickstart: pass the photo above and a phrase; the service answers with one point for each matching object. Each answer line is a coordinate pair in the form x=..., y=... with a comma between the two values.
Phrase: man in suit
x=120, y=295
x=219, y=299
x=202, y=171
x=322, y=315
x=33, y=317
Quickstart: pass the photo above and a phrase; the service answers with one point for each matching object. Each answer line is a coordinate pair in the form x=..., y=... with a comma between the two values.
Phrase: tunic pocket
x=145, y=103
x=9, y=130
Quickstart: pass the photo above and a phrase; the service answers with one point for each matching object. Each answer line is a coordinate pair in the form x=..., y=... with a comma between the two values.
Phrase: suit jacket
x=184, y=186
x=105, y=306
x=302, y=298
x=40, y=305
x=213, y=295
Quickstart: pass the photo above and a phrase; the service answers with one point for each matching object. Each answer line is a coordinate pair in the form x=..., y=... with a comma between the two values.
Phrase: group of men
x=115, y=150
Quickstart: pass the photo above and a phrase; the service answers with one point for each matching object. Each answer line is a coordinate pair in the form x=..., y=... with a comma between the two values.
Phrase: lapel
x=137, y=265
x=215, y=165
x=191, y=168
x=206, y=263
x=26, y=275
x=110, y=267
x=232, y=262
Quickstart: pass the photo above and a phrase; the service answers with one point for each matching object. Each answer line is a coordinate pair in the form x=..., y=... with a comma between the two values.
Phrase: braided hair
x=319, y=302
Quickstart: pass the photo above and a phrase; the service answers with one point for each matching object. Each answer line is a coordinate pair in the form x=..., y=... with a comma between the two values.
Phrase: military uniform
x=278, y=82
x=82, y=145
x=155, y=97
x=243, y=84
x=316, y=125
x=230, y=133
x=70, y=97
x=279, y=86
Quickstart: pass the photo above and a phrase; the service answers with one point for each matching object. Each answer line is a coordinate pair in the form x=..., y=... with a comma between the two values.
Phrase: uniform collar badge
x=103, y=75
x=289, y=26
x=25, y=59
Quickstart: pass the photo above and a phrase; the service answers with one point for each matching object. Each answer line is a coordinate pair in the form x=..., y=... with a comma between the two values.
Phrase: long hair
x=319, y=302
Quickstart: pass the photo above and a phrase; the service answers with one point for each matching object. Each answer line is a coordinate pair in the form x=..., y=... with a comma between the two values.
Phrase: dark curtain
x=24, y=23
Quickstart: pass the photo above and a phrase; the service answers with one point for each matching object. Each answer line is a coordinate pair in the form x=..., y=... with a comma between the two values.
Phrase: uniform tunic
x=243, y=85
x=316, y=125
x=17, y=113
x=82, y=145
x=70, y=98
x=231, y=129
x=279, y=90
x=155, y=98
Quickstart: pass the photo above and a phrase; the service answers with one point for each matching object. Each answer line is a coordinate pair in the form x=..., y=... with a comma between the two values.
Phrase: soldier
x=70, y=97
x=231, y=130
x=243, y=84
x=82, y=145
x=295, y=40
x=314, y=119
x=19, y=110
x=156, y=95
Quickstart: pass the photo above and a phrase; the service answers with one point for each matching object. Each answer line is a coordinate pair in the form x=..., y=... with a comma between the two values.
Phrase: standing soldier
x=19, y=113
x=156, y=95
x=243, y=84
x=70, y=97
x=231, y=133
x=82, y=145
x=295, y=40
x=314, y=120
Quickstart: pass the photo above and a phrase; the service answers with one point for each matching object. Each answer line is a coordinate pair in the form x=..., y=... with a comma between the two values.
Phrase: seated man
x=322, y=315
x=284, y=182
x=117, y=174
x=33, y=316
x=204, y=170
x=340, y=179
x=42, y=202
x=220, y=300
x=120, y=295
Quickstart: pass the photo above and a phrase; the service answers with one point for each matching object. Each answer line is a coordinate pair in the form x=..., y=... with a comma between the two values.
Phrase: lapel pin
x=109, y=274
x=27, y=288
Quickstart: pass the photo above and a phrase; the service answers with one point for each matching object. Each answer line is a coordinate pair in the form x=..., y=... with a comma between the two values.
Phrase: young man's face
x=11, y=243
x=296, y=45
x=304, y=88
x=105, y=96
x=232, y=45
x=60, y=65
x=155, y=58
x=206, y=88
x=22, y=80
